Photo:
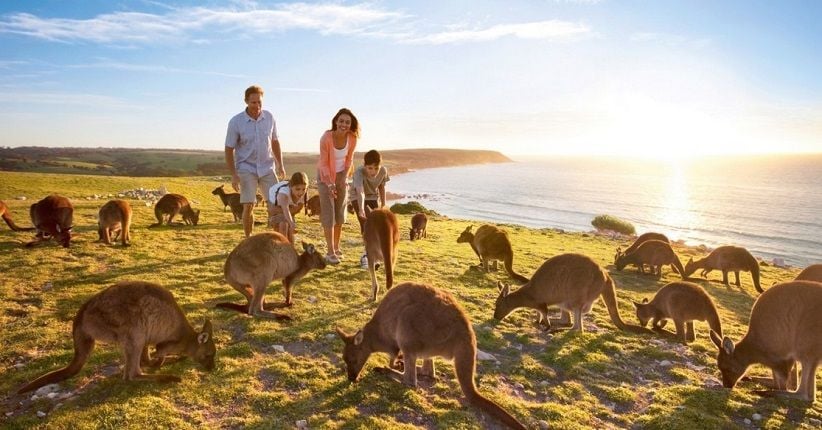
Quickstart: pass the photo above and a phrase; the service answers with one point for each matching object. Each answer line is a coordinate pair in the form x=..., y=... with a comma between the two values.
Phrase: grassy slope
x=602, y=378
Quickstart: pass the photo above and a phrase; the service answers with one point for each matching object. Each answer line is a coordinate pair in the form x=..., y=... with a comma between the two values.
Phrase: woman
x=287, y=200
x=334, y=167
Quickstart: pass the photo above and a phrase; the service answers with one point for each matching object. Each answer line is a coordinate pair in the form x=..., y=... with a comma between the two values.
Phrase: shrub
x=608, y=222
x=411, y=208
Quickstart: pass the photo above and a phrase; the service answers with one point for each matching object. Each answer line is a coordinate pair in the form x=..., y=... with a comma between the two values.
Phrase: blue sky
x=648, y=78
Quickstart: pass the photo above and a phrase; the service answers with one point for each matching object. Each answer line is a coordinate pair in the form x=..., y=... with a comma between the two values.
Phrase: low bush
x=608, y=222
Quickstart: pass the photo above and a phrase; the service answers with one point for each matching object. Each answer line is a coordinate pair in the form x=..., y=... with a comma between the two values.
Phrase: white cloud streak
x=201, y=25
x=148, y=68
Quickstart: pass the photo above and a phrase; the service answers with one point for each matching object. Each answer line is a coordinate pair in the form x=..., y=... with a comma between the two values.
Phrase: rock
x=34, y=397
x=8, y=414
x=51, y=396
x=47, y=286
x=331, y=336
x=747, y=421
x=544, y=425
x=279, y=348
x=664, y=363
x=518, y=347
x=484, y=356
x=41, y=414
x=815, y=422
x=21, y=197
x=302, y=424
x=544, y=383
x=519, y=385
x=19, y=365
x=779, y=262
x=756, y=417
x=312, y=299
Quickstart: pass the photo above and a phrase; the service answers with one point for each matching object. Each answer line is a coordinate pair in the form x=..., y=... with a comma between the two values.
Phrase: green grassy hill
x=602, y=378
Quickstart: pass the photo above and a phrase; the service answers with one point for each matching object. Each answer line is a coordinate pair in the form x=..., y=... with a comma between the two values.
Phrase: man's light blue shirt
x=251, y=140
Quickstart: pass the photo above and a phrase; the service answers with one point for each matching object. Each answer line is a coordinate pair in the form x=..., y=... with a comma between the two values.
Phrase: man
x=251, y=151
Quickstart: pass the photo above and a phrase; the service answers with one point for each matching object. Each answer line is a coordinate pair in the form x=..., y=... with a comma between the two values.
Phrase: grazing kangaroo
x=418, y=223
x=381, y=235
x=173, y=204
x=135, y=315
x=571, y=281
x=4, y=212
x=682, y=302
x=727, y=259
x=421, y=322
x=639, y=241
x=260, y=259
x=810, y=273
x=52, y=217
x=231, y=200
x=491, y=243
x=312, y=206
x=784, y=328
x=654, y=253
x=114, y=220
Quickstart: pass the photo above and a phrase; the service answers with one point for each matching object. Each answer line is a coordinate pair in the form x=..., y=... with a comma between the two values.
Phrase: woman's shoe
x=332, y=259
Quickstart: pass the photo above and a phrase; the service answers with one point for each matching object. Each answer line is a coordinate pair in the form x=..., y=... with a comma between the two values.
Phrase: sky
x=582, y=77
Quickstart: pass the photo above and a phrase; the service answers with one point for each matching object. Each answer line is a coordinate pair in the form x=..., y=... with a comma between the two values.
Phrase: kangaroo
x=420, y=321
x=639, y=241
x=172, y=204
x=418, y=223
x=682, y=302
x=571, y=281
x=113, y=221
x=654, y=253
x=134, y=314
x=784, y=328
x=312, y=206
x=381, y=234
x=52, y=217
x=727, y=259
x=231, y=200
x=810, y=273
x=260, y=259
x=4, y=212
x=491, y=243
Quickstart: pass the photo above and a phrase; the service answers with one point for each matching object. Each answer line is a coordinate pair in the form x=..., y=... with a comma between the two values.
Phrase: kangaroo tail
x=83, y=345
x=14, y=226
x=755, y=276
x=509, y=267
x=679, y=267
x=388, y=250
x=465, y=361
x=714, y=322
x=126, y=227
x=233, y=306
x=609, y=297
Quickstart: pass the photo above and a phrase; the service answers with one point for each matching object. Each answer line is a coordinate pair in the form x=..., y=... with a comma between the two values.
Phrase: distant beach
x=769, y=205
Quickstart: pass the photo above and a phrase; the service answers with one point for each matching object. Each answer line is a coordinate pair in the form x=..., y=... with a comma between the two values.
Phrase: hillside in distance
x=187, y=162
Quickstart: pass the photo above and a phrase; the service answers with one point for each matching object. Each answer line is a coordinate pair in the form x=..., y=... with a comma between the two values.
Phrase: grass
x=602, y=378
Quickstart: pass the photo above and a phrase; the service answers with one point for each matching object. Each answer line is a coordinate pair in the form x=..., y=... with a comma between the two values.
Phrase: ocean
x=771, y=205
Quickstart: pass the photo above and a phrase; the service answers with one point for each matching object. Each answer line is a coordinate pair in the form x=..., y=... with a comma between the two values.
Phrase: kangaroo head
x=354, y=353
x=466, y=235
x=501, y=308
x=311, y=258
x=195, y=216
x=413, y=233
x=63, y=236
x=621, y=261
x=727, y=362
x=206, y=349
x=644, y=312
x=690, y=267
x=618, y=254
x=217, y=191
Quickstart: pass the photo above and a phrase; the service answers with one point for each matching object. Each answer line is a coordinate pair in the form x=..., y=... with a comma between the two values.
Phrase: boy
x=369, y=189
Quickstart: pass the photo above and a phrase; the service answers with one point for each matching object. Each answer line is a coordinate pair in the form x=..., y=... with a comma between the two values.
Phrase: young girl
x=286, y=199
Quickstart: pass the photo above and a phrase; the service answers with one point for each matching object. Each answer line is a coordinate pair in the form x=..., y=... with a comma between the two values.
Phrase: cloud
x=200, y=25
x=72, y=99
x=552, y=29
x=149, y=68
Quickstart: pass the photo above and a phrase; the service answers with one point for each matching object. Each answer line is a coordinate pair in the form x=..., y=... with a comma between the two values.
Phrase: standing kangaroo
x=260, y=259
x=571, y=281
x=639, y=241
x=810, y=273
x=682, y=302
x=52, y=217
x=4, y=212
x=421, y=322
x=135, y=315
x=381, y=235
x=418, y=224
x=491, y=243
x=231, y=200
x=114, y=220
x=727, y=259
x=784, y=328
x=171, y=205
x=654, y=253
x=312, y=206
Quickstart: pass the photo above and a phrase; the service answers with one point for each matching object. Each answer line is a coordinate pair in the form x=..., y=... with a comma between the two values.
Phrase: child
x=286, y=199
x=369, y=189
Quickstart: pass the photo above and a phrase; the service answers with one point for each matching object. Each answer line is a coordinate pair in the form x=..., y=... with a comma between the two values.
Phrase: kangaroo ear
x=207, y=326
x=468, y=229
x=636, y=304
x=358, y=337
x=59, y=230
x=69, y=229
x=690, y=260
x=506, y=290
x=500, y=285
x=197, y=212
x=309, y=248
x=645, y=300
x=716, y=339
x=343, y=335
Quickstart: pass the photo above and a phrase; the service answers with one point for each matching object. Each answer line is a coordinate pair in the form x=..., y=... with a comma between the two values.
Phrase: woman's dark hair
x=355, y=125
